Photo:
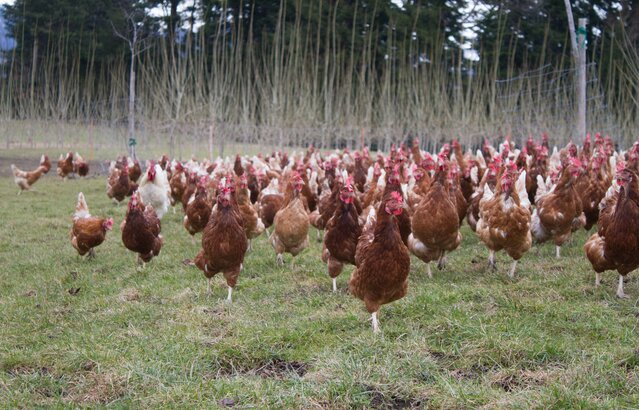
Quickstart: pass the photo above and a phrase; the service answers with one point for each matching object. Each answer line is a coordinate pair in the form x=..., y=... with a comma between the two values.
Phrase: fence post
x=581, y=80
x=579, y=56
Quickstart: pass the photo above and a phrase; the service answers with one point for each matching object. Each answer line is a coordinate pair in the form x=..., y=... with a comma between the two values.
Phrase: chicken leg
x=228, y=298
x=558, y=251
x=375, y=322
x=430, y=273
x=91, y=254
x=280, y=260
x=511, y=272
x=597, y=278
x=441, y=263
x=620, y=293
x=208, y=287
x=491, y=260
x=334, y=285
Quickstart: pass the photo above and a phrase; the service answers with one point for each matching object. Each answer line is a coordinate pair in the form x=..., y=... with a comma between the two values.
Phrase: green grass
x=128, y=338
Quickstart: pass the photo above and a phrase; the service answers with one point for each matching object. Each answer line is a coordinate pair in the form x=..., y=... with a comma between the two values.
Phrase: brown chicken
x=558, y=210
x=291, y=222
x=342, y=232
x=88, y=232
x=504, y=218
x=616, y=244
x=198, y=209
x=489, y=180
x=253, y=225
x=25, y=179
x=435, y=224
x=224, y=242
x=269, y=202
x=135, y=172
x=65, y=165
x=177, y=184
x=381, y=258
x=141, y=230
x=45, y=162
x=118, y=184
x=80, y=166
x=593, y=188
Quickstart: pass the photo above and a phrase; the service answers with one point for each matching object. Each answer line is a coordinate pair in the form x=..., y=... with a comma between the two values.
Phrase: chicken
x=381, y=258
x=558, y=210
x=326, y=206
x=291, y=222
x=154, y=189
x=488, y=181
x=141, y=230
x=616, y=244
x=342, y=232
x=198, y=209
x=118, y=184
x=593, y=188
x=88, y=232
x=224, y=242
x=435, y=224
x=25, y=179
x=65, y=165
x=45, y=162
x=253, y=225
x=80, y=166
x=135, y=172
x=177, y=183
x=270, y=202
x=504, y=218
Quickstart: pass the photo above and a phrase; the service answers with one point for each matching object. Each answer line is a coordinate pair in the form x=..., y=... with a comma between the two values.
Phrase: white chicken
x=155, y=190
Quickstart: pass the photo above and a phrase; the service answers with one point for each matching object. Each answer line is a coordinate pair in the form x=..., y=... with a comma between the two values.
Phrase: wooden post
x=578, y=41
x=211, y=131
x=581, y=79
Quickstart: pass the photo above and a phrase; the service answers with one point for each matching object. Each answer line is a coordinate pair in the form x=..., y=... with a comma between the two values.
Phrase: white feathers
x=542, y=189
x=157, y=192
x=480, y=159
x=81, y=209
x=520, y=187
x=474, y=175
x=488, y=194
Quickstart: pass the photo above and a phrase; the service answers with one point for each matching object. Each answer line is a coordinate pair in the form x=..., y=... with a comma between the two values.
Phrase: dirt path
x=96, y=168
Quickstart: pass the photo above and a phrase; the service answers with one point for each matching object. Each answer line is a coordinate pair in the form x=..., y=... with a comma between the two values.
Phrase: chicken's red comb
x=397, y=196
x=349, y=181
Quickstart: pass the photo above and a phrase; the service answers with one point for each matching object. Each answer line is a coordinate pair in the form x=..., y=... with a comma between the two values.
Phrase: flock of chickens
x=375, y=211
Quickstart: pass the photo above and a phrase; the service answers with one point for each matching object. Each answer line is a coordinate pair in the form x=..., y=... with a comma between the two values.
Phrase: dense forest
x=326, y=70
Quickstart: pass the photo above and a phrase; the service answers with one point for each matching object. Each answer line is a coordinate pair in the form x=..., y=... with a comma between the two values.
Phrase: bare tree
x=136, y=36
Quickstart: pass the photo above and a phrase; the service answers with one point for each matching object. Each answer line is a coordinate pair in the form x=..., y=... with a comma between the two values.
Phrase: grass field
x=101, y=332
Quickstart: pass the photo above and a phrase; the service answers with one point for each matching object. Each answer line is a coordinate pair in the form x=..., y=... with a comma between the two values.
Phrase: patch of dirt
x=129, y=295
x=29, y=164
x=520, y=380
x=380, y=401
x=280, y=369
x=273, y=369
x=96, y=388
x=227, y=402
x=474, y=372
x=30, y=293
x=24, y=370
